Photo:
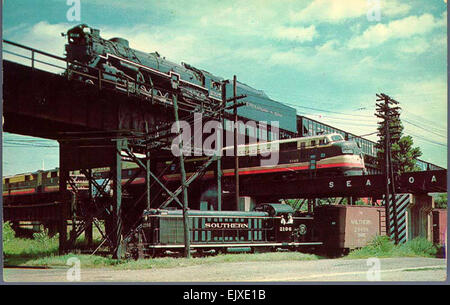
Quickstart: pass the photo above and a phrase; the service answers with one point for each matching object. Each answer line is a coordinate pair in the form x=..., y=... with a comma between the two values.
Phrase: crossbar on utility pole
x=389, y=174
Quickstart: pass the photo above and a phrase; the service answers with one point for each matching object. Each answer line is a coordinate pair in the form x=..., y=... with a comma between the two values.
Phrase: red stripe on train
x=281, y=169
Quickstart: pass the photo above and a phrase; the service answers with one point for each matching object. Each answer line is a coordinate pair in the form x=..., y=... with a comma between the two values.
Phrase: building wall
x=309, y=127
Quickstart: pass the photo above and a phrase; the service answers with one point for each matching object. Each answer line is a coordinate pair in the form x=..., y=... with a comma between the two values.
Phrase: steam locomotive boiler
x=146, y=74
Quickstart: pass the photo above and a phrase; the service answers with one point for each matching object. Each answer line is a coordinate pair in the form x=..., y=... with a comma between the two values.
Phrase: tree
x=440, y=201
x=403, y=153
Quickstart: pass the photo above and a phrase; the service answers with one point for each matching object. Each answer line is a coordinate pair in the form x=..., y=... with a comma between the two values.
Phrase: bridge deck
x=356, y=186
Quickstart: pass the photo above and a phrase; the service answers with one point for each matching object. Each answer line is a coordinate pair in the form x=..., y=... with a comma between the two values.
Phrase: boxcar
x=345, y=227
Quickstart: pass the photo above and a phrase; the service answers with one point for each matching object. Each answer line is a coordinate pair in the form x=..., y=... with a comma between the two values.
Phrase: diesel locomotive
x=268, y=227
x=322, y=155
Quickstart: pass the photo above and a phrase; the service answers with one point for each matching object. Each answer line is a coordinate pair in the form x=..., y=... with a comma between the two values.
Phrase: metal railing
x=70, y=68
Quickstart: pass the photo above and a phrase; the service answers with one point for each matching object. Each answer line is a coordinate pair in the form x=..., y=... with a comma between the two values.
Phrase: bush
x=41, y=244
x=420, y=246
x=8, y=232
x=382, y=246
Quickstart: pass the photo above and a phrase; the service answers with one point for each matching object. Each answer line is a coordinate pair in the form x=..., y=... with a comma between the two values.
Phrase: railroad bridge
x=96, y=127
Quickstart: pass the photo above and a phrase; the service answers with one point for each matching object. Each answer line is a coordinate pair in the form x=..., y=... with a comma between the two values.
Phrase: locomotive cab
x=281, y=220
x=79, y=40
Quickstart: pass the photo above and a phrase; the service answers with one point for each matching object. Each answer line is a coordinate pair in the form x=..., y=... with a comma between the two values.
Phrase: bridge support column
x=64, y=197
x=420, y=217
x=88, y=233
x=117, y=199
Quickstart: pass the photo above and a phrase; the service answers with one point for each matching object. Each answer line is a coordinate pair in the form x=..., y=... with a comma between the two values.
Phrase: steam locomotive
x=149, y=72
x=149, y=75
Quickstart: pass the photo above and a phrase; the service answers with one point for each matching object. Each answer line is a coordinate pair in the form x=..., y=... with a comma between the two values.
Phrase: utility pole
x=187, y=239
x=147, y=172
x=236, y=157
x=221, y=140
x=388, y=114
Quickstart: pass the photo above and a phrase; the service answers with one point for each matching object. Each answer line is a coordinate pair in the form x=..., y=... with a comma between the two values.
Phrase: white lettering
x=74, y=13
x=74, y=272
x=374, y=10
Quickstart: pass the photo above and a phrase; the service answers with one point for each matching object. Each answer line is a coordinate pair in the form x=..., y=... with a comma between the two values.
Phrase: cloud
x=401, y=28
x=300, y=34
x=42, y=35
x=336, y=11
x=414, y=46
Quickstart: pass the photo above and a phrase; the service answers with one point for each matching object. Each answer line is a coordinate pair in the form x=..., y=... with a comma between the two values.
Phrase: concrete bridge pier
x=420, y=218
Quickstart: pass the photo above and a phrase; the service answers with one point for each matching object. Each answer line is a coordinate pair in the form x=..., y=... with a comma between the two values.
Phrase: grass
x=42, y=251
x=20, y=250
x=382, y=246
x=92, y=261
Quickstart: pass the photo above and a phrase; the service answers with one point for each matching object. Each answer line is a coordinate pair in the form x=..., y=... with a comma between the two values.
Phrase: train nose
x=348, y=148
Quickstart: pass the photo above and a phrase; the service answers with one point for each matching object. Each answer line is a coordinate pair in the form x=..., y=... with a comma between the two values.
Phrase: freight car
x=269, y=226
x=347, y=227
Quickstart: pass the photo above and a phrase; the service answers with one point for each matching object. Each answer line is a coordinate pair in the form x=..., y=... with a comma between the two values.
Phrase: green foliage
x=18, y=250
x=403, y=153
x=93, y=261
x=440, y=201
x=420, y=246
x=8, y=232
x=382, y=246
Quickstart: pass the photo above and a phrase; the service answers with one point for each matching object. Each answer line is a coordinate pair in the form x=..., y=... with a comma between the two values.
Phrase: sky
x=326, y=58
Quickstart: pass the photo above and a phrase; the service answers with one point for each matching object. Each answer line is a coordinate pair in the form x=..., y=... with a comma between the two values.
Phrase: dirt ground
x=391, y=269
